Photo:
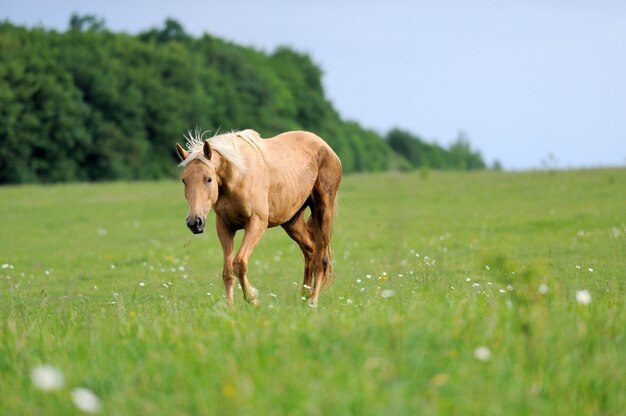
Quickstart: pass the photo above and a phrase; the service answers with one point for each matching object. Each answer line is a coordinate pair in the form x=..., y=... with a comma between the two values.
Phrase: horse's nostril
x=195, y=224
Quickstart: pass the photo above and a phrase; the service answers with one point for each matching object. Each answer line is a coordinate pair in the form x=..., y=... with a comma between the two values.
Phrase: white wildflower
x=482, y=354
x=388, y=293
x=47, y=378
x=543, y=288
x=86, y=400
x=583, y=297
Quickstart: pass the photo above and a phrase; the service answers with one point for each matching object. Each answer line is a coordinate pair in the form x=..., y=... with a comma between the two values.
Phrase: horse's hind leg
x=298, y=230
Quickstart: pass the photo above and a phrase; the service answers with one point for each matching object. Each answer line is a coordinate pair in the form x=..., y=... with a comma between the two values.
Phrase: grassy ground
x=437, y=305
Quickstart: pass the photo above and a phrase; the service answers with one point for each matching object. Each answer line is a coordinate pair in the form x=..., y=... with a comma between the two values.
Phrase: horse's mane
x=224, y=144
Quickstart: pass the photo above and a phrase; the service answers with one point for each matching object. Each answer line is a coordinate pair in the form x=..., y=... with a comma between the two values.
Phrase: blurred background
x=103, y=90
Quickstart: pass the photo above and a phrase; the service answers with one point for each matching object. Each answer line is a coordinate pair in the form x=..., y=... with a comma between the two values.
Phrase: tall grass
x=453, y=294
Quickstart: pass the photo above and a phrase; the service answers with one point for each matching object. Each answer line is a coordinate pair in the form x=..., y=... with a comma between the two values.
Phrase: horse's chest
x=235, y=215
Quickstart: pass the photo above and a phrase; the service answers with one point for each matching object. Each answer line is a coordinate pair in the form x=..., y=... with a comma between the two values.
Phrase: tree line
x=88, y=104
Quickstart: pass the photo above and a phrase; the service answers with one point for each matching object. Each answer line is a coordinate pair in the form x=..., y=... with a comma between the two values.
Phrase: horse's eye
x=209, y=180
x=183, y=180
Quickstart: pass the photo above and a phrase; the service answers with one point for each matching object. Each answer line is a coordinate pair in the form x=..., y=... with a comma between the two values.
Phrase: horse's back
x=300, y=149
x=295, y=161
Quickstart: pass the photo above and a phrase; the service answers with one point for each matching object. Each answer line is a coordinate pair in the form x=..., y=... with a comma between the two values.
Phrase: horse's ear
x=207, y=150
x=182, y=153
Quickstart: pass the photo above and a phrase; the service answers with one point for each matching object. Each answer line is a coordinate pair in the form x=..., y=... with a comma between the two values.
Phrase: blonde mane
x=224, y=144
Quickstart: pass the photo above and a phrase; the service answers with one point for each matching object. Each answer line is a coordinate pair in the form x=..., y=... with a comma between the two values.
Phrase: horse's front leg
x=253, y=232
x=226, y=236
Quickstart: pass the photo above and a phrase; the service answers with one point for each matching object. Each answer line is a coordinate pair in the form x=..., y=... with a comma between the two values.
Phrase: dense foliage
x=89, y=104
x=422, y=154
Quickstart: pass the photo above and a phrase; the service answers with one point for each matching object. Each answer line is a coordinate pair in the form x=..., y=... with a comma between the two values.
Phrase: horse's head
x=201, y=188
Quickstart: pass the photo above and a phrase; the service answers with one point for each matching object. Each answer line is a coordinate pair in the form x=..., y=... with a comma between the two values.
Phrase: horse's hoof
x=252, y=297
x=306, y=292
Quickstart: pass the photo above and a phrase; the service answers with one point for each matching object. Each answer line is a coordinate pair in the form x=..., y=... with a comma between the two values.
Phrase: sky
x=530, y=83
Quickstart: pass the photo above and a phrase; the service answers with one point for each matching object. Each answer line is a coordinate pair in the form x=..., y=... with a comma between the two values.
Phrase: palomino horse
x=252, y=184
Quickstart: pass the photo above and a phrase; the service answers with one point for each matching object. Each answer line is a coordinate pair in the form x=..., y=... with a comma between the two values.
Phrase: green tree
x=421, y=154
x=89, y=104
x=87, y=22
x=463, y=157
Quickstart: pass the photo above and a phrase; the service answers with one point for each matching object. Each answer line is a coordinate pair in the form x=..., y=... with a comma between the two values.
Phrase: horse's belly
x=293, y=168
x=285, y=201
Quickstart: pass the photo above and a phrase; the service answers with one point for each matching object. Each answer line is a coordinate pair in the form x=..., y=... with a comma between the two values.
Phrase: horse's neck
x=229, y=176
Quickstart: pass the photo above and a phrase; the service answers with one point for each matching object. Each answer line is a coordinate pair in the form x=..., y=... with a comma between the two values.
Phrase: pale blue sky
x=524, y=79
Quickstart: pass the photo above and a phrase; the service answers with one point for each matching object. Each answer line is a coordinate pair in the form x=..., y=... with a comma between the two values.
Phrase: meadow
x=485, y=293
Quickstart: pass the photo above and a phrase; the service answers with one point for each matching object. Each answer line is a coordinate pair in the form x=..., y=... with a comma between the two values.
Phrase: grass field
x=478, y=294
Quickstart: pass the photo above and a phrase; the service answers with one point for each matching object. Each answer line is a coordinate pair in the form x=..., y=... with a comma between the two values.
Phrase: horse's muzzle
x=196, y=225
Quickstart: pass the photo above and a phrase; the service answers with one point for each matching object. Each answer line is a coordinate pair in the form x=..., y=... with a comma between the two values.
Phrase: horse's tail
x=332, y=206
x=324, y=196
x=329, y=275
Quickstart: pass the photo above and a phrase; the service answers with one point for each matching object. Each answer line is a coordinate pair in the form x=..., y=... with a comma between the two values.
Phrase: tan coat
x=253, y=184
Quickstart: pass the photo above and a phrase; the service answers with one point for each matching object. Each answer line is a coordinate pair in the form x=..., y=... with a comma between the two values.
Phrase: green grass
x=105, y=283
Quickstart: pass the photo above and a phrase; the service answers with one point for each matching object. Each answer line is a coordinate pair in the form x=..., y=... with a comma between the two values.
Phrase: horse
x=254, y=184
